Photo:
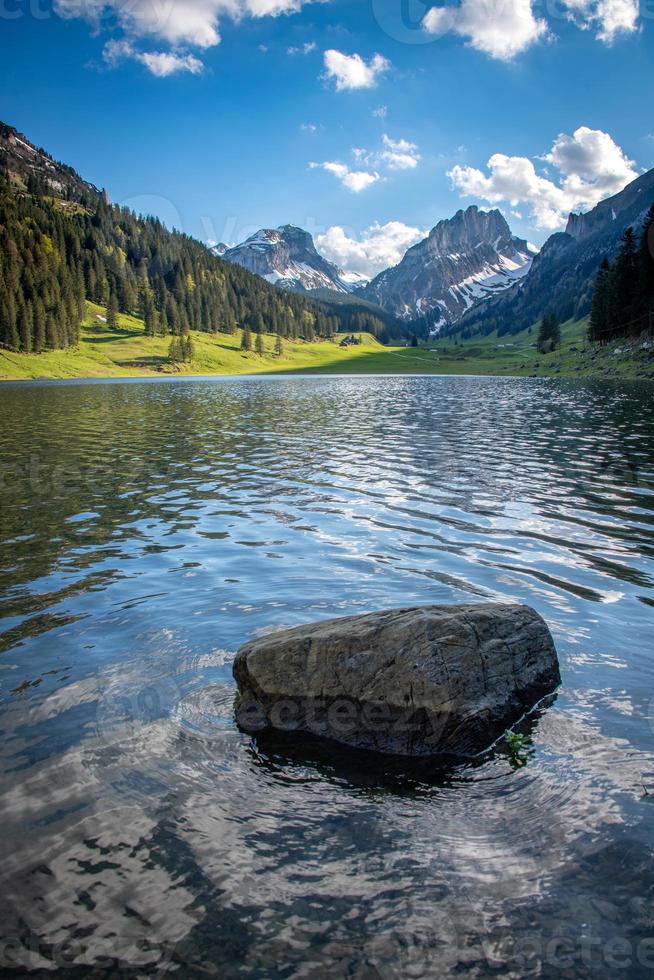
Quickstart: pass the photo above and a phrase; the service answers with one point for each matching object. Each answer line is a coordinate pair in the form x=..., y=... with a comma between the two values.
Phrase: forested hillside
x=62, y=242
x=623, y=301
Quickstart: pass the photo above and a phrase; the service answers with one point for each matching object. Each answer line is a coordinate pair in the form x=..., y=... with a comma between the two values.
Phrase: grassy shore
x=127, y=352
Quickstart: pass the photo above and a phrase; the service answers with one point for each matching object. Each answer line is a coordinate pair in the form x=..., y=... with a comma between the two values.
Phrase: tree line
x=55, y=253
x=623, y=300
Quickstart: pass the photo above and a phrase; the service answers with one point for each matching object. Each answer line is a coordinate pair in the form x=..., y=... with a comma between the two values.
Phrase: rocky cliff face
x=23, y=160
x=634, y=199
x=288, y=258
x=562, y=277
x=463, y=260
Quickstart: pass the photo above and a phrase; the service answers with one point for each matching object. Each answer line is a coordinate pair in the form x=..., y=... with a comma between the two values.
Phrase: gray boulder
x=434, y=680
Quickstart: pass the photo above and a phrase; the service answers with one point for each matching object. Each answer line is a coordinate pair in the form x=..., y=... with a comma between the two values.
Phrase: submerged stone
x=433, y=680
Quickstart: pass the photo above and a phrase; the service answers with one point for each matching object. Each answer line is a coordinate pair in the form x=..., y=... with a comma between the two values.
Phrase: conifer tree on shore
x=549, y=333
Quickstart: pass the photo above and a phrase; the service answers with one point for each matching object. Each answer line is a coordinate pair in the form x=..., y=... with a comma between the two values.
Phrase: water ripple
x=150, y=529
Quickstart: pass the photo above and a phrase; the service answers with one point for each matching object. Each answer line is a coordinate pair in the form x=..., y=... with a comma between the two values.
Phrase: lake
x=151, y=528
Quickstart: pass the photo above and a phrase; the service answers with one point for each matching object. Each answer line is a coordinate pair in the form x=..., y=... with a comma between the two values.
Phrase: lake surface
x=150, y=528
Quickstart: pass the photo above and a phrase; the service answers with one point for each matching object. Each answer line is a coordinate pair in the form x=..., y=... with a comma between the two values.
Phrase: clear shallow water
x=150, y=528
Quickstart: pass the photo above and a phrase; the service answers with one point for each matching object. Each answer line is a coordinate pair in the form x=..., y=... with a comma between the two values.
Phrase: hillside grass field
x=127, y=352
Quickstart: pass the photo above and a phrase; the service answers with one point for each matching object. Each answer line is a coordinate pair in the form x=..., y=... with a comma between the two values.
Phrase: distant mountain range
x=467, y=258
x=287, y=257
x=470, y=274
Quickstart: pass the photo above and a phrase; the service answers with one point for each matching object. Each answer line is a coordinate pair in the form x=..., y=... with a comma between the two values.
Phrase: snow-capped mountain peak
x=463, y=260
x=287, y=257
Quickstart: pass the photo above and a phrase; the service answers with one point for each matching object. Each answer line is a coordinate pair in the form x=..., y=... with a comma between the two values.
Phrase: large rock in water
x=436, y=680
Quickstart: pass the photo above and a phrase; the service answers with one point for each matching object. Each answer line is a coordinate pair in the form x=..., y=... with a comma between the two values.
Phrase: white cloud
x=399, y=154
x=506, y=28
x=304, y=49
x=381, y=112
x=354, y=180
x=269, y=8
x=590, y=164
x=308, y=127
x=377, y=248
x=395, y=155
x=194, y=23
x=590, y=159
x=499, y=28
x=350, y=71
x=610, y=17
x=159, y=63
x=163, y=63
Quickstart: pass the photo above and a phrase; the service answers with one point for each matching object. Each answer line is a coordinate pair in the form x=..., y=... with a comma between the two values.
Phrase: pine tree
x=258, y=345
x=25, y=327
x=112, y=311
x=626, y=282
x=187, y=347
x=8, y=331
x=599, y=323
x=151, y=319
x=174, y=351
x=52, y=337
x=549, y=333
x=646, y=270
x=246, y=340
x=39, y=326
x=279, y=346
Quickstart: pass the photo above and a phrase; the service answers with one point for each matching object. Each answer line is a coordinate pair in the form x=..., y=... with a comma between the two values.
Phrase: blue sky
x=364, y=121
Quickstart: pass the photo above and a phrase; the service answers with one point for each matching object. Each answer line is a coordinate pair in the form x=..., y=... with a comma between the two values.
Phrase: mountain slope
x=288, y=258
x=62, y=242
x=562, y=276
x=464, y=259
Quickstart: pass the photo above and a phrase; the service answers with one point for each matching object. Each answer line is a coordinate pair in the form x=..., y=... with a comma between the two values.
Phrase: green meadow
x=127, y=352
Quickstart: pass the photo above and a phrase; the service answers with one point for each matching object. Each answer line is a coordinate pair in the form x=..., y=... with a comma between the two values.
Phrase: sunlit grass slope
x=127, y=352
